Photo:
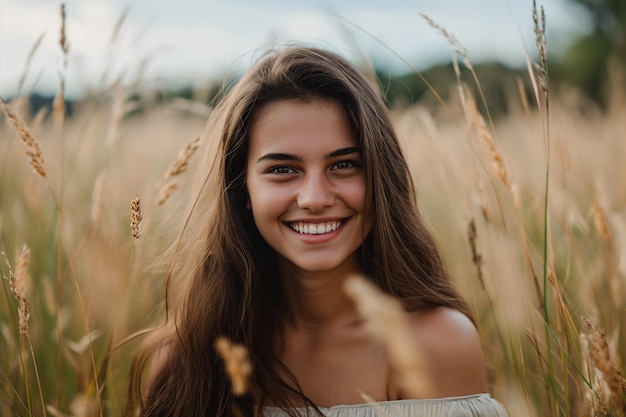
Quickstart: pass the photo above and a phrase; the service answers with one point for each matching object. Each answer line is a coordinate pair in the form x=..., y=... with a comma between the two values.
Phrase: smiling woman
x=308, y=187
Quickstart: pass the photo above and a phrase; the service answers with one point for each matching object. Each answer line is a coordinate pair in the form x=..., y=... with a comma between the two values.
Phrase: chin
x=326, y=264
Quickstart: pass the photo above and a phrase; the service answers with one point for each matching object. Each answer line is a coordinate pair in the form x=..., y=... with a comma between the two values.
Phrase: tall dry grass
x=530, y=211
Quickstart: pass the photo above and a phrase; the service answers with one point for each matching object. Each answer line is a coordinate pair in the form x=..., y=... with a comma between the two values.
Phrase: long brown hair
x=226, y=274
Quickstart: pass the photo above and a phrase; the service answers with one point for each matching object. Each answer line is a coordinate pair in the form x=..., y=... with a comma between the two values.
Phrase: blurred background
x=183, y=45
x=524, y=187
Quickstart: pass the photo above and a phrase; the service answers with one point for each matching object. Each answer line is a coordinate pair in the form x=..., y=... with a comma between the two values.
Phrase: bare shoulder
x=452, y=349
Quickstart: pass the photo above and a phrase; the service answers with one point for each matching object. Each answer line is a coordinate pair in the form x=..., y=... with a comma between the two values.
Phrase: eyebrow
x=343, y=151
x=292, y=157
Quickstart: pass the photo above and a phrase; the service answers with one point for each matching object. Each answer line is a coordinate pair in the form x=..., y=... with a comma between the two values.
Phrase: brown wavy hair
x=223, y=279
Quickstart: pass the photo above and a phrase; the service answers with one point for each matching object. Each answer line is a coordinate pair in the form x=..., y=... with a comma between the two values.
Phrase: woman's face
x=306, y=184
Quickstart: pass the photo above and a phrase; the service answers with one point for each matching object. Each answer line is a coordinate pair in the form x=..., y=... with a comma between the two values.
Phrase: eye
x=281, y=170
x=346, y=164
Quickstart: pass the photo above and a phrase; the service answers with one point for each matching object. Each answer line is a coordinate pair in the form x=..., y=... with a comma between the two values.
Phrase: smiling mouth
x=315, y=228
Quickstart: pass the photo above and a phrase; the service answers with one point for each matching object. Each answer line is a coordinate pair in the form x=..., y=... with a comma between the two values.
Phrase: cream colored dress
x=479, y=405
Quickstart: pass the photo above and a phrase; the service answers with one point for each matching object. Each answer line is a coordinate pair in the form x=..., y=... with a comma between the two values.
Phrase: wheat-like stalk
x=135, y=217
x=609, y=370
x=49, y=298
x=33, y=150
x=600, y=221
x=477, y=258
x=18, y=283
x=517, y=198
x=167, y=185
x=238, y=366
x=165, y=191
x=118, y=110
x=20, y=106
x=97, y=197
x=65, y=47
x=452, y=40
x=597, y=395
x=479, y=127
x=540, y=37
x=524, y=99
x=58, y=107
x=29, y=59
x=38, y=119
x=389, y=323
x=180, y=164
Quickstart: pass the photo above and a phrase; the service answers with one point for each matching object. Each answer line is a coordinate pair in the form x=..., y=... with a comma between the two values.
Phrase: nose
x=316, y=193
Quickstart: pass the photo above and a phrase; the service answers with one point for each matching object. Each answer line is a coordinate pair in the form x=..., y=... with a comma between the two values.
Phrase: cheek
x=356, y=200
x=266, y=213
x=266, y=203
x=355, y=195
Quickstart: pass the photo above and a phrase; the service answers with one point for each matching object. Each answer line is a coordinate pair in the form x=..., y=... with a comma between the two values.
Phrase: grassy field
x=530, y=210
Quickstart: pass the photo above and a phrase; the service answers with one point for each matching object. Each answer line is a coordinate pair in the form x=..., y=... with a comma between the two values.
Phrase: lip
x=316, y=220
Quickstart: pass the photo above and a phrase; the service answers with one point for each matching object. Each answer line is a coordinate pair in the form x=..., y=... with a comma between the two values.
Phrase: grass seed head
x=135, y=217
x=33, y=151
x=480, y=130
x=600, y=221
x=238, y=366
x=539, y=20
x=389, y=323
x=65, y=47
x=18, y=284
x=165, y=191
x=608, y=370
x=167, y=185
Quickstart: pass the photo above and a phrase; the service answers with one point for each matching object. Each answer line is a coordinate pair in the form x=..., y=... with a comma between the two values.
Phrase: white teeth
x=315, y=229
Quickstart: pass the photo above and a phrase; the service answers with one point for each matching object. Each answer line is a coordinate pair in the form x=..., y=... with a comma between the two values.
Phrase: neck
x=316, y=300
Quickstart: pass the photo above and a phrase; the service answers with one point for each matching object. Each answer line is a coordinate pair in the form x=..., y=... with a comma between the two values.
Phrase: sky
x=190, y=42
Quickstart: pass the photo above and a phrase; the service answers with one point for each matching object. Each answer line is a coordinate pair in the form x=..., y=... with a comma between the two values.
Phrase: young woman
x=305, y=186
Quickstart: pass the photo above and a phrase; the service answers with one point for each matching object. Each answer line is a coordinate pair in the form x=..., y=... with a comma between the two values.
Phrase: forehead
x=299, y=125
